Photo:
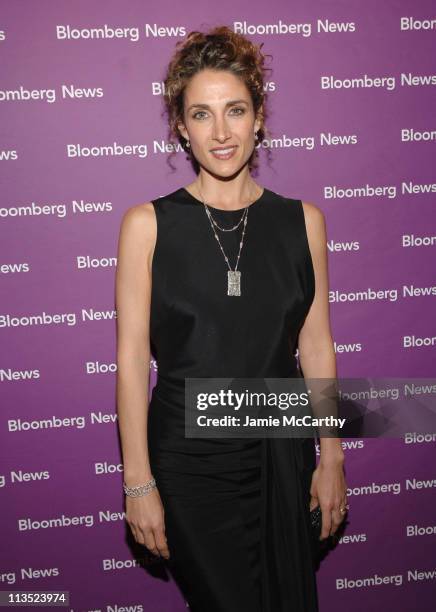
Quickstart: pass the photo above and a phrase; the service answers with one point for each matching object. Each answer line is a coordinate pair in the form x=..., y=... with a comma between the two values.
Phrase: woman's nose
x=221, y=131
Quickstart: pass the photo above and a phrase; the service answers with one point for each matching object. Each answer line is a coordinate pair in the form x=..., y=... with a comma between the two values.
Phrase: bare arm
x=144, y=514
x=315, y=345
x=318, y=360
x=133, y=293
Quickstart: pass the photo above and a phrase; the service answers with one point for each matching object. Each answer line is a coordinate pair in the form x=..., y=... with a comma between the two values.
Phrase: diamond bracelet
x=140, y=489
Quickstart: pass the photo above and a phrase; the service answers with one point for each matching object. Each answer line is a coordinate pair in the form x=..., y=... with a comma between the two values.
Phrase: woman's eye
x=197, y=113
x=240, y=110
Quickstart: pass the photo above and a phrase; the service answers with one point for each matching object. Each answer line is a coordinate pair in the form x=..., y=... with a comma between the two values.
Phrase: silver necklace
x=224, y=229
x=233, y=276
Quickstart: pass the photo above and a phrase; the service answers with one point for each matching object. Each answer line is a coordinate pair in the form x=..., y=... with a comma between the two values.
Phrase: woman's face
x=218, y=112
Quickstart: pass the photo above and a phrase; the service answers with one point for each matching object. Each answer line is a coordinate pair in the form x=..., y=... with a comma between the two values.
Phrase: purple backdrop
x=362, y=150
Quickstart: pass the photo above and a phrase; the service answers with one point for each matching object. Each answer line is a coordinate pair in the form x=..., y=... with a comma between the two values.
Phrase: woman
x=230, y=516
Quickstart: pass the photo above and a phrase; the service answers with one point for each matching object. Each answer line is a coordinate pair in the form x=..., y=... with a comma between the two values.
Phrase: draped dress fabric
x=236, y=510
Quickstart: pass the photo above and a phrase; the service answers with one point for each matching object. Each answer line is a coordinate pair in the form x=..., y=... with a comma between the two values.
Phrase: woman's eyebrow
x=230, y=103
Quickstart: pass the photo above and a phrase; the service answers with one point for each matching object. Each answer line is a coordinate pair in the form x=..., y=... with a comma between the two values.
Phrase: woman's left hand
x=329, y=490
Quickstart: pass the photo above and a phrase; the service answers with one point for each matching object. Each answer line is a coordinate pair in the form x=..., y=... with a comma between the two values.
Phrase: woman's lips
x=224, y=153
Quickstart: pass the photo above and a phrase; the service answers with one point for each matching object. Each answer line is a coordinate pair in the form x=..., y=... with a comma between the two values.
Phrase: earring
x=256, y=136
x=188, y=144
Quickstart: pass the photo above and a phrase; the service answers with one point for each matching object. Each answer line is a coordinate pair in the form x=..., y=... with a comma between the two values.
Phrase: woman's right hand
x=145, y=515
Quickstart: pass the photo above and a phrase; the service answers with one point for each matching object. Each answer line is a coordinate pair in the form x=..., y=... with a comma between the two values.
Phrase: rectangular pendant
x=233, y=282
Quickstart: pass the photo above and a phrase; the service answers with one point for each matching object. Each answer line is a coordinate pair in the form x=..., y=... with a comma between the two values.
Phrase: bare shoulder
x=313, y=214
x=139, y=217
x=139, y=227
x=315, y=223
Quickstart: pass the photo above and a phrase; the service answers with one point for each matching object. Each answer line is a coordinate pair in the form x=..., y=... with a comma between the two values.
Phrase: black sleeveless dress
x=236, y=510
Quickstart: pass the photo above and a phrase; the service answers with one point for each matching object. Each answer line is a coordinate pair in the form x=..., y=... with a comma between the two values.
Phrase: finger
x=161, y=543
x=134, y=532
x=149, y=540
x=326, y=523
x=336, y=520
x=313, y=502
x=343, y=514
x=337, y=517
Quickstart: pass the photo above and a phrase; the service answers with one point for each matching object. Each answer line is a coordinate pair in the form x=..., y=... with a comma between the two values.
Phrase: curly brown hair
x=218, y=49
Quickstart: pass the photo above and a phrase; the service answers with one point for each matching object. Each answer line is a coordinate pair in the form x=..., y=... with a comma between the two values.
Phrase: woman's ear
x=259, y=120
x=183, y=131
